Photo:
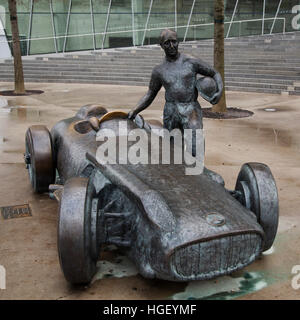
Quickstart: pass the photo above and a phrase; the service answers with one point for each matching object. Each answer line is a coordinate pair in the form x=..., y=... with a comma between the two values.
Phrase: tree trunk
x=219, y=51
x=19, y=77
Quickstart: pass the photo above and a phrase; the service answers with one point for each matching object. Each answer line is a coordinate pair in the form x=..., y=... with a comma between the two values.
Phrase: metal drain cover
x=18, y=211
x=270, y=109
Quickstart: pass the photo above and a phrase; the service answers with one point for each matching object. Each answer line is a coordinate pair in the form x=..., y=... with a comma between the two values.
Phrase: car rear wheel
x=39, y=158
x=77, y=248
x=257, y=191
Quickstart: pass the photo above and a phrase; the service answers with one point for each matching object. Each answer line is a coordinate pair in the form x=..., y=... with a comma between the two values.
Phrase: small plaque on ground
x=18, y=211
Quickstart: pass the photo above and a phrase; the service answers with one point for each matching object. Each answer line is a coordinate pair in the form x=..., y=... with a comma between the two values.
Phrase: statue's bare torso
x=178, y=78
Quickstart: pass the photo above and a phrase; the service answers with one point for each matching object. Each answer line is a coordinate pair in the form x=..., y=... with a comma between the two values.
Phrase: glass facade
x=47, y=26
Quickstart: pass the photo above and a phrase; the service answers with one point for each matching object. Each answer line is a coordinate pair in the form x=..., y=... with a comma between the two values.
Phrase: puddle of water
x=224, y=288
x=120, y=267
x=22, y=113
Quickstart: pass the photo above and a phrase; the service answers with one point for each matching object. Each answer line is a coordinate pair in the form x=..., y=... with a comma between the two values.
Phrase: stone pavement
x=28, y=245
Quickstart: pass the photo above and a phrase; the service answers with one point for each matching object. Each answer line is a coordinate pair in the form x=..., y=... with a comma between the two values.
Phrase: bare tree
x=18, y=66
x=219, y=50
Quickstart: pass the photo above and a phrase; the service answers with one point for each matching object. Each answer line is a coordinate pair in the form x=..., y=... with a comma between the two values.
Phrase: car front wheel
x=257, y=191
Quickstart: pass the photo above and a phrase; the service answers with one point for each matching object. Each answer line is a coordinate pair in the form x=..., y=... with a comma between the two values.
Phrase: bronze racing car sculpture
x=173, y=226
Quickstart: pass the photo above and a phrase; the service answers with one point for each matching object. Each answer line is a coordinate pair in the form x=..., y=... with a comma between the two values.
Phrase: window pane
x=41, y=28
x=80, y=27
x=120, y=25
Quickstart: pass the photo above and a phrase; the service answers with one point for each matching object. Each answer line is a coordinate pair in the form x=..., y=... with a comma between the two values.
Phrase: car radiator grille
x=209, y=259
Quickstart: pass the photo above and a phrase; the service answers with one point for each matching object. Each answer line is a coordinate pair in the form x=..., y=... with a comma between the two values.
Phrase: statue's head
x=168, y=41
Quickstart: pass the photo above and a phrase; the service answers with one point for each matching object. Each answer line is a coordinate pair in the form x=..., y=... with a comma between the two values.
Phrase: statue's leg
x=193, y=121
x=172, y=121
x=169, y=117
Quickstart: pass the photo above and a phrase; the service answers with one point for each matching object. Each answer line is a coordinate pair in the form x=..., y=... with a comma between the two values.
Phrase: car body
x=173, y=226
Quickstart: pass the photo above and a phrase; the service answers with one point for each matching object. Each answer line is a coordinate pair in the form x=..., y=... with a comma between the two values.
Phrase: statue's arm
x=154, y=86
x=205, y=69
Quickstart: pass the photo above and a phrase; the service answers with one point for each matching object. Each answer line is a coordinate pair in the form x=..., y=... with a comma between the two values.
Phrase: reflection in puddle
x=280, y=137
x=22, y=113
x=224, y=288
x=5, y=110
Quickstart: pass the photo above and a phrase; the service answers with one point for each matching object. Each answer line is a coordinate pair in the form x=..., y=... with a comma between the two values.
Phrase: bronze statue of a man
x=178, y=75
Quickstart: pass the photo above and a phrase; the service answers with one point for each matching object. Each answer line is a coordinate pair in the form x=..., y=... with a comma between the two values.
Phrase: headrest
x=91, y=110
